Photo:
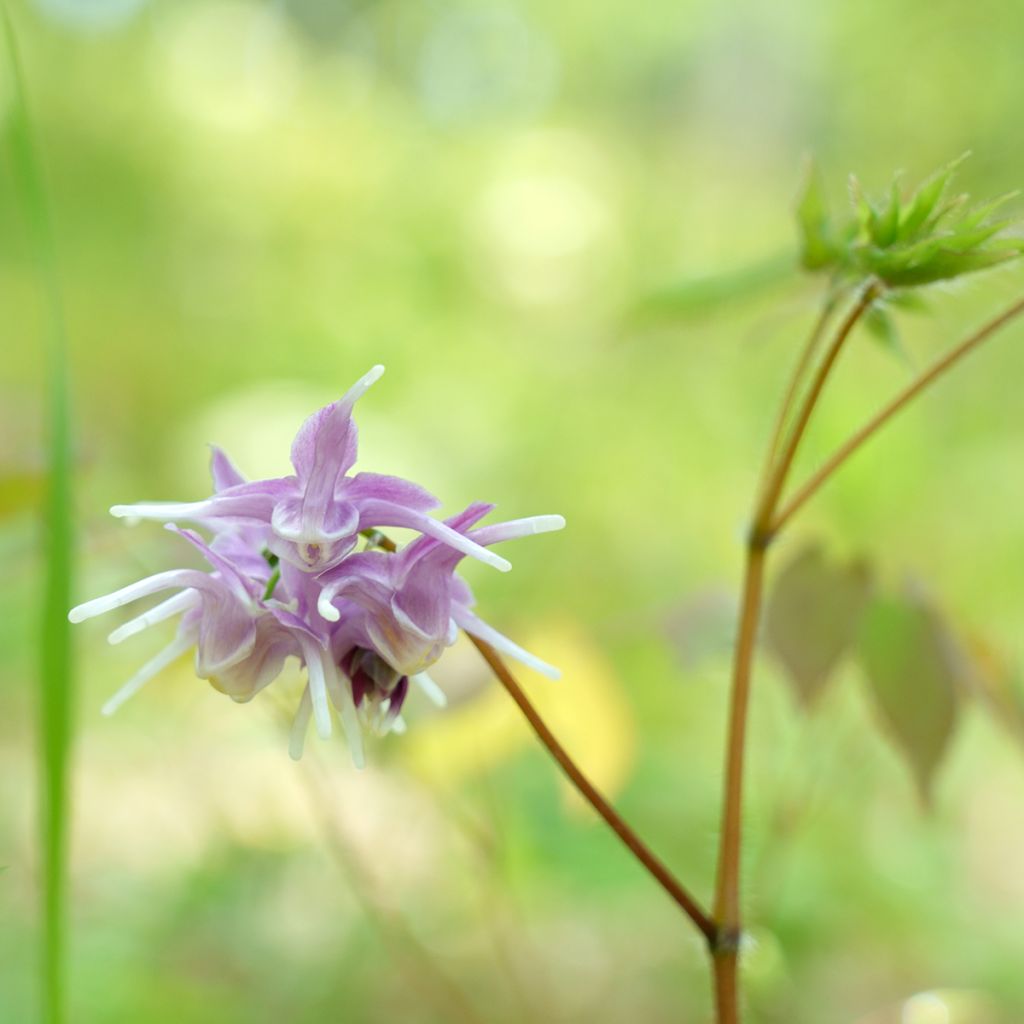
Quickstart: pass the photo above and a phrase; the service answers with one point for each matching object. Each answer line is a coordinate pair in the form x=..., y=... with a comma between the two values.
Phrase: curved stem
x=795, y=380
x=636, y=845
x=936, y=370
x=777, y=477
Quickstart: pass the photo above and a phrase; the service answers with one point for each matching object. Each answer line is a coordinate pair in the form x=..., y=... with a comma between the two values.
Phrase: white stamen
x=363, y=385
x=471, y=624
x=341, y=694
x=324, y=606
x=170, y=653
x=453, y=632
x=315, y=670
x=434, y=692
x=150, y=585
x=398, y=726
x=454, y=539
x=300, y=726
x=162, y=611
x=515, y=528
x=161, y=510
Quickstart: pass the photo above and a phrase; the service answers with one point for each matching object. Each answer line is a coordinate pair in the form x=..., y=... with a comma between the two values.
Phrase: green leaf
x=924, y=201
x=817, y=249
x=914, y=668
x=812, y=617
x=55, y=691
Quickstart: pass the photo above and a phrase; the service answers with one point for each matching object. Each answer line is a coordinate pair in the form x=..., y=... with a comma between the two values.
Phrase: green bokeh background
x=256, y=202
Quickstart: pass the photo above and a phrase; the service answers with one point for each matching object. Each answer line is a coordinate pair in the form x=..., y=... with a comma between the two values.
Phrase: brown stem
x=727, y=910
x=936, y=370
x=636, y=845
x=795, y=380
x=725, y=947
x=777, y=477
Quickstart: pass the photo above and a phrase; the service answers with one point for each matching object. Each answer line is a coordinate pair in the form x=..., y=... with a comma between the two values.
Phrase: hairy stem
x=879, y=420
x=636, y=845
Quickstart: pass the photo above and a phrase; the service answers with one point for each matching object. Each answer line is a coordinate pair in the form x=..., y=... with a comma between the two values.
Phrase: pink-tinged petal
x=364, y=578
x=340, y=519
x=223, y=471
x=314, y=549
x=244, y=589
x=366, y=486
x=326, y=442
x=227, y=636
x=244, y=679
x=383, y=513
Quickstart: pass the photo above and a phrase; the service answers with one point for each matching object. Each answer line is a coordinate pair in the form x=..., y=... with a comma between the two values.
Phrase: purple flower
x=241, y=641
x=283, y=580
x=414, y=602
x=316, y=515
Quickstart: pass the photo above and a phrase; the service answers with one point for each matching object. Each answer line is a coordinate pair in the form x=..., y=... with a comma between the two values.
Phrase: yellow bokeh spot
x=586, y=709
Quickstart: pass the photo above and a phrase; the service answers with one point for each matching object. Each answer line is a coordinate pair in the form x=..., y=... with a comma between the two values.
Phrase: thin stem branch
x=637, y=847
x=936, y=370
x=777, y=477
x=796, y=379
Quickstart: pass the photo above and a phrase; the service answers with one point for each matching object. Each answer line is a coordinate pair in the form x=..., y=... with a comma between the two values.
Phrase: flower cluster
x=285, y=580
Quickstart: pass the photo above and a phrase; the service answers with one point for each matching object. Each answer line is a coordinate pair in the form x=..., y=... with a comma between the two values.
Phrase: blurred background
x=566, y=229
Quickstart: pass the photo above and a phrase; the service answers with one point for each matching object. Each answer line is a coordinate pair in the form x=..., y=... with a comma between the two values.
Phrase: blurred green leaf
x=905, y=243
x=700, y=295
x=812, y=617
x=914, y=668
x=55, y=692
x=817, y=249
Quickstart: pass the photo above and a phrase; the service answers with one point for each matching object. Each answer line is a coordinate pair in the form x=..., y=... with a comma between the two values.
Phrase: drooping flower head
x=284, y=580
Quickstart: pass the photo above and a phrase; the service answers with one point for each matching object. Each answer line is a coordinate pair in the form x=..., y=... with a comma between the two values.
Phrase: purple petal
x=326, y=442
x=366, y=486
x=223, y=470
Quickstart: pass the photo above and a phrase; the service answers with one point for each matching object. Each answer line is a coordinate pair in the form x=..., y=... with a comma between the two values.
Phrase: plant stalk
x=899, y=402
x=636, y=845
x=727, y=912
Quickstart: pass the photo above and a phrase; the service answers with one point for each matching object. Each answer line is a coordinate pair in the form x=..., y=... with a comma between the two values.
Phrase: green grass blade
x=55, y=721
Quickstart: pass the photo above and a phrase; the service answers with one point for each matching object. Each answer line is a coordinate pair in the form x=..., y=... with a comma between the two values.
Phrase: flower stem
x=636, y=845
x=936, y=370
x=726, y=943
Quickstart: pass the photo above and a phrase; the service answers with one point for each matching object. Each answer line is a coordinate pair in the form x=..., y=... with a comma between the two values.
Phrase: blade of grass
x=55, y=722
